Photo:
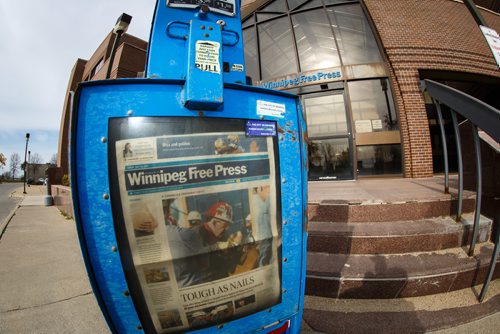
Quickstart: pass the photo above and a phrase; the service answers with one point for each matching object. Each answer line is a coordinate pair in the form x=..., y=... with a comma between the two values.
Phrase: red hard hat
x=222, y=211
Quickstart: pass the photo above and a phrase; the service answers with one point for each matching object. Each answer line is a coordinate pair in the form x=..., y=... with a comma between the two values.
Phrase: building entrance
x=330, y=136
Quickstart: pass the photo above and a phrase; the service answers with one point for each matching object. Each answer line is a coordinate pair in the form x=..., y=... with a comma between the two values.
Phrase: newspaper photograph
x=200, y=216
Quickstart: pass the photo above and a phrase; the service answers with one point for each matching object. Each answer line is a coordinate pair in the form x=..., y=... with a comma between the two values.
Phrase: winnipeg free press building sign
x=303, y=79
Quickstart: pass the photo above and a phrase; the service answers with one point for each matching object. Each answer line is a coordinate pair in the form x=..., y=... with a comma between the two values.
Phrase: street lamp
x=29, y=159
x=25, y=151
x=120, y=28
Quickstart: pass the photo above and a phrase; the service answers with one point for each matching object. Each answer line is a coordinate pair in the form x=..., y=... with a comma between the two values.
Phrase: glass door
x=330, y=136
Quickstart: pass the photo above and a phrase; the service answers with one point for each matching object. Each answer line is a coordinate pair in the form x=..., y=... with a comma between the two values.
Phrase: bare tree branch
x=14, y=162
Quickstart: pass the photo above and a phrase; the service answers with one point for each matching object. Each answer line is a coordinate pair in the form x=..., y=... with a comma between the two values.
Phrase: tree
x=3, y=161
x=53, y=160
x=14, y=162
x=35, y=161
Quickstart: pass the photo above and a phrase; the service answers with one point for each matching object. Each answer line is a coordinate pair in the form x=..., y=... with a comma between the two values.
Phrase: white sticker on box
x=266, y=108
x=237, y=68
x=207, y=56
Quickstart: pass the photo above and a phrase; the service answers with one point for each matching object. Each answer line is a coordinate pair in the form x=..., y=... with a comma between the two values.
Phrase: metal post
x=479, y=189
x=475, y=13
x=113, y=52
x=383, y=82
x=494, y=259
x=460, y=165
x=120, y=28
x=29, y=159
x=25, y=152
x=445, y=147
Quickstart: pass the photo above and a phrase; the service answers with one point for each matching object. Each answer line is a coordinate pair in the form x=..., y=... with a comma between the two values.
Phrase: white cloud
x=39, y=43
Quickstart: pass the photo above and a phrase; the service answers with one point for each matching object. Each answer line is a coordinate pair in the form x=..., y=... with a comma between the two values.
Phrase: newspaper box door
x=187, y=220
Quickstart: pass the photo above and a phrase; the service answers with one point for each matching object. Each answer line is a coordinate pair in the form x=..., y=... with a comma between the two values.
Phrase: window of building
x=303, y=4
x=351, y=119
x=100, y=64
x=326, y=115
x=265, y=16
x=248, y=22
x=251, y=53
x=329, y=159
x=372, y=106
x=275, y=6
x=277, y=54
x=378, y=143
x=334, y=2
x=338, y=34
x=354, y=36
x=378, y=159
x=315, y=41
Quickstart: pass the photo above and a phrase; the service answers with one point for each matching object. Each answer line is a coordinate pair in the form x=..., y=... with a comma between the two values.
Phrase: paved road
x=7, y=203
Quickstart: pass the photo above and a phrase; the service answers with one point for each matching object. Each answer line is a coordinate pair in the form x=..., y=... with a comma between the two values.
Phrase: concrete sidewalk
x=43, y=283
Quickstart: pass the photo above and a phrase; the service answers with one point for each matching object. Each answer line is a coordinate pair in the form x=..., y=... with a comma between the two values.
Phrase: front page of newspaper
x=200, y=215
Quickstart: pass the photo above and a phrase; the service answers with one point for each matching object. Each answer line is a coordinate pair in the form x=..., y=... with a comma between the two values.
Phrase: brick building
x=369, y=117
x=357, y=66
x=129, y=62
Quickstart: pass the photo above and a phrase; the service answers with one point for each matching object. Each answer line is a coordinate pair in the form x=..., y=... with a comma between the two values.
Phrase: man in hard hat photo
x=219, y=218
x=194, y=219
x=202, y=253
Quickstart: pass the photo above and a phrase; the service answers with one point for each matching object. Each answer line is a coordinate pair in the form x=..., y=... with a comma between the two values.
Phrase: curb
x=5, y=223
x=14, y=191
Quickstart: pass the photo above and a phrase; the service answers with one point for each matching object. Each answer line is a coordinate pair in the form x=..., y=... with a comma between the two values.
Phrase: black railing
x=480, y=115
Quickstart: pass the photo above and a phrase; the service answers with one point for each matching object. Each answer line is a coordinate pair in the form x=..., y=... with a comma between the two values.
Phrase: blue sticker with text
x=260, y=128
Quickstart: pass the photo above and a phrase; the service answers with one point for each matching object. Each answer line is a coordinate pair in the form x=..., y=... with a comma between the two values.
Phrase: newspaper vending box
x=189, y=187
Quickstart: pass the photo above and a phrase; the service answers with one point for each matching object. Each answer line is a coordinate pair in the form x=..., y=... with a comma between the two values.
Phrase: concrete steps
x=382, y=211
x=425, y=314
x=395, y=236
x=367, y=251
x=375, y=247
x=395, y=275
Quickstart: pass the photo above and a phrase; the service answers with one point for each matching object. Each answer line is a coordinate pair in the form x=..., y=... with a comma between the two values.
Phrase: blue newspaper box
x=190, y=194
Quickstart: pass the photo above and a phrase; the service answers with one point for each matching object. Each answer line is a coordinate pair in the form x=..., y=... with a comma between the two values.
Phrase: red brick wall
x=431, y=35
x=63, y=145
x=63, y=200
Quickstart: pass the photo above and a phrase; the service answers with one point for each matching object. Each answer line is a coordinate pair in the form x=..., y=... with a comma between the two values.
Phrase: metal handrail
x=460, y=166
x=481, y=115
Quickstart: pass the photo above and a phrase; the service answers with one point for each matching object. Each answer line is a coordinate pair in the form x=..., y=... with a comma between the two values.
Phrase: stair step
x=395, y=275
x=394, y=237
x=405, y=315
x=379, y=211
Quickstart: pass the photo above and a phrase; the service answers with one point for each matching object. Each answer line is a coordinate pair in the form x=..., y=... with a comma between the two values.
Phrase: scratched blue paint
x=97, y=103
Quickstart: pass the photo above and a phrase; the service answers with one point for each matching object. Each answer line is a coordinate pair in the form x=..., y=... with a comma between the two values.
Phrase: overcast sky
x=39, y=44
